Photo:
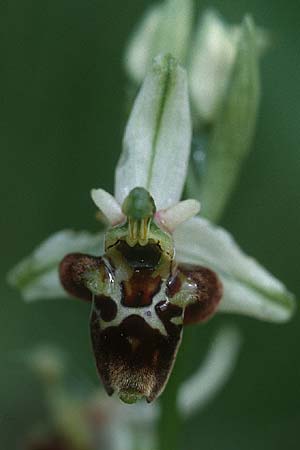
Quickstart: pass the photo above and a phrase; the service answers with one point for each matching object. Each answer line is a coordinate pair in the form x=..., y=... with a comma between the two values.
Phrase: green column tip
x=139, y=204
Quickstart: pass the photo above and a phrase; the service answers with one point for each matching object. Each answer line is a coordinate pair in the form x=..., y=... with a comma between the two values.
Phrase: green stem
x=170, y=423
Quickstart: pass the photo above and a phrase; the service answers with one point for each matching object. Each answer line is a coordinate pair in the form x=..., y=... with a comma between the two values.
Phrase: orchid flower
x=162, y=266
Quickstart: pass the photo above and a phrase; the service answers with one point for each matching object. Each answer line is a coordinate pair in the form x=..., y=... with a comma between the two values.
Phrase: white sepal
x=249, y=289
x=242, y=299
x=36, y=276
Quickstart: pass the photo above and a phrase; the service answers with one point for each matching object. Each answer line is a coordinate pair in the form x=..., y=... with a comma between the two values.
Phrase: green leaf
x=37, y=275
x=212, y=56
x=249, y=289
x=157, y=139
x=233, y=130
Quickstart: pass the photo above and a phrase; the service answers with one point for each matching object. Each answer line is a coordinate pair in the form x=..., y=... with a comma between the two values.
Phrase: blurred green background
x=62, y=91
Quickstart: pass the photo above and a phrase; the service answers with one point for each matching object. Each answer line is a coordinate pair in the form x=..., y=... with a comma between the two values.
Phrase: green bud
x=165, y=28
x=233, y=129
x=212, y=56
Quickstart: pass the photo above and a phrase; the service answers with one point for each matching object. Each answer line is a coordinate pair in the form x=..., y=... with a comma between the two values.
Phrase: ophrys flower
x=141, y=290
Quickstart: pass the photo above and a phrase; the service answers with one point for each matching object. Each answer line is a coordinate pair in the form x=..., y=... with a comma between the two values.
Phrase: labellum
x=140, y=298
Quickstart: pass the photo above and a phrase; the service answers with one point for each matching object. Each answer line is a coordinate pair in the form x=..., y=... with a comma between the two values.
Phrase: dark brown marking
x=208, y=293
x=140, y=289
x=134, y=357
x=166, y=311
x=147, y=256
x=106, y=306
x=72, y=270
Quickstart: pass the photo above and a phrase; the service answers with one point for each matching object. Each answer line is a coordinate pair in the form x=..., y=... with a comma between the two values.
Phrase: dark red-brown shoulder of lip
x=133, y=356
x=140, y=289
x=208, y=292
x=71, y=272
